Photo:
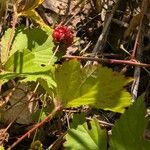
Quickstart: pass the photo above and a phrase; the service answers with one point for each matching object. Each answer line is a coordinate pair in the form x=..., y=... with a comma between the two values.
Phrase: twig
x=67, y=11
x=102, y=38
x=137, y=50
x=38, y=125
x=15, y=18
x=110, y=61
x=56, y=50
x=20, y=112
x=102, y=122
x=56, y=145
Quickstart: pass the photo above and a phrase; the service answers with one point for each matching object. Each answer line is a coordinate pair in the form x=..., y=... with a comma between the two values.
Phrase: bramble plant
x=27, y=56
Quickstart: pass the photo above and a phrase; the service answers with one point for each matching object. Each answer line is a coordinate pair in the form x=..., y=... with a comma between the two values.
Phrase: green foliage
x=2, y=148
x=96, y=86
x=4, y=43
x=42, y=113
x=86, y=138
x=29, y=56
x=37, y=40
x=78, y=119
x=128, y=130
x=127, y=133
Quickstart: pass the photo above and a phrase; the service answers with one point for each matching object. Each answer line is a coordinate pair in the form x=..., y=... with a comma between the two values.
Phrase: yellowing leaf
x=4, y=45
x=27, y=5
x=34, y=16
x=96, y=86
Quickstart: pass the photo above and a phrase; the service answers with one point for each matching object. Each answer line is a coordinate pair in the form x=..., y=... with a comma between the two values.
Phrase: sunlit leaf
x=23, y=64
x=42, y=48
x=96, y=86
x=2, y=148
x=86, y=138
x=4, y=46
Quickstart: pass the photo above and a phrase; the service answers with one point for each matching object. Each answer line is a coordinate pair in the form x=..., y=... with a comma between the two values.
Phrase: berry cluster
x=63, y=34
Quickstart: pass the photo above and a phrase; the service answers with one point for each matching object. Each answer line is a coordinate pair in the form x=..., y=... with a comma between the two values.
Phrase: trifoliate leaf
x=127, y=133
x=96, y=86
x=84, y=138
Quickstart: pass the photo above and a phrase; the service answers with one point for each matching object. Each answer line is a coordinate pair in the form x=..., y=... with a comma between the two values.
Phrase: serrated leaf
x=36, y=40
x=28, y=55
x=23, y=64
x=6, y=76
x=96, y=86
x=83, y=138
x=127, y=133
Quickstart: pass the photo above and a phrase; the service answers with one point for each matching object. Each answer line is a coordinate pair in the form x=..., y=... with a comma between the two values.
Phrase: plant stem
x=110, y=61
x=14, y=22
x=38, y=125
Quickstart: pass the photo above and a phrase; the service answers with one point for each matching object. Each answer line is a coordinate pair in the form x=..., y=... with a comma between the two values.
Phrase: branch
x=38, y=125
x=110, y=61
x=101, y=42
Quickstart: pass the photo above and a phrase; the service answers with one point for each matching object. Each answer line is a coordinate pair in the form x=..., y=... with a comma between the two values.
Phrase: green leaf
x=4, y=45
x=96, y=86
x=83, y=138
x=41, y=114
x=2, y=148
x=6, y=76
x=28, y=55
x=37, y=40
x=23, y=64
x=77, y=120
x=127, y=133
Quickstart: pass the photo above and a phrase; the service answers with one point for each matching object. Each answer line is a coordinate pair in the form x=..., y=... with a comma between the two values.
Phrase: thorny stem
x=109, y=61
x=38, y=125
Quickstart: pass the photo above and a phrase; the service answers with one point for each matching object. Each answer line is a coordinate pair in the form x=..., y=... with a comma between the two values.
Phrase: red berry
x=62, y=34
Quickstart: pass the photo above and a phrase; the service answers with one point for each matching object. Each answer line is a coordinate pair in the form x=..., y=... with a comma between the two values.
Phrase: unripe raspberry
x=62, y=34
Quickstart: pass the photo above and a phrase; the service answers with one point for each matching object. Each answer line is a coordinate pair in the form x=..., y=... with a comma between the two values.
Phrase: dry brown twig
x=137, y=50
x=101, y=42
